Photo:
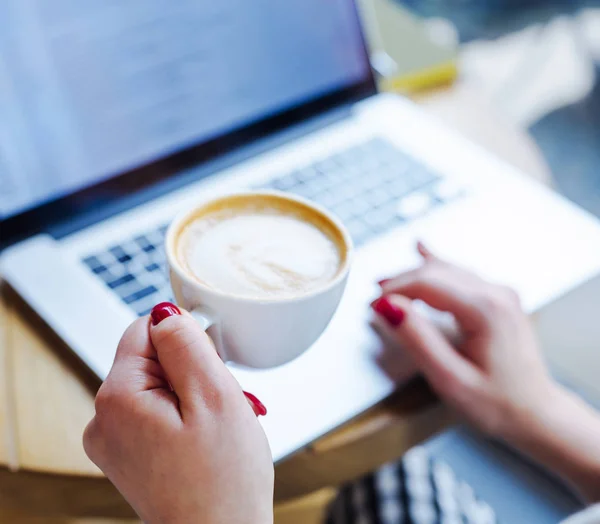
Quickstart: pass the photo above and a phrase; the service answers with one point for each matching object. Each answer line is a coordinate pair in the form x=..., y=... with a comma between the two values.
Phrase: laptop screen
x=90, y=90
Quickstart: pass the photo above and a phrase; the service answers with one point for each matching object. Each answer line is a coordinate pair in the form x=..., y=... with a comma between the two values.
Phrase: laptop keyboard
x=136, y=270
x=373, y=187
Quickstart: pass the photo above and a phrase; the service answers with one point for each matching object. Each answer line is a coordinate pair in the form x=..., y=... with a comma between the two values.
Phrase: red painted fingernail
x=392, y=313
x=384, y=281
x=259, y=408
x=162, y=311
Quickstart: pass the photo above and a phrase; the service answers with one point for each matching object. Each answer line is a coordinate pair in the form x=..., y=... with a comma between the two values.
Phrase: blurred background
x=536, y=62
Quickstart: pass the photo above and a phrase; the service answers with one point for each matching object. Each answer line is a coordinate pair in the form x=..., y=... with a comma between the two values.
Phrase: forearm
x=565, y=437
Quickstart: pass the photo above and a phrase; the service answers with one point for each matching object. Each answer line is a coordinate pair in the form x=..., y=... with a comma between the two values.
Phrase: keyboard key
x=350, y=191
x=346, y=210
x=138, y=295
x=284, y=183
x=99, y=270
x=347, y=173
x=365, y=182
x=114, y=271
x=400, y=186
x=92, y=262
x=358, y=230
x=155, y=238
x=319, y=184
x=377, y=219
x=142, y=241
x=125, y=279
x=119, y=253
x=377, y=197
x=372, y=162
x=414, y=205
x=307, y=174
x=350, y=172
x=359, y=205
x=421, y=176
x=330, y=180
x=304, y=190
x=324, y=198
x=386, y=174
x=159, y=256
x=108, y=275
x=95, y=265
x=332, y=198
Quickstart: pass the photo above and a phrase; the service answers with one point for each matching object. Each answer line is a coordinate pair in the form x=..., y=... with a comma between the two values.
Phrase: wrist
x=532, y=423
x=562, y=433
x=523, y=415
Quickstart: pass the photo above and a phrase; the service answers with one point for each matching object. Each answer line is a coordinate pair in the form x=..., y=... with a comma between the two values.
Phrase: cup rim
x=182, y=217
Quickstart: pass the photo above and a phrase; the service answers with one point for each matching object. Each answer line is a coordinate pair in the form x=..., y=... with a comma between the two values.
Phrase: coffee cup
x=262, y=271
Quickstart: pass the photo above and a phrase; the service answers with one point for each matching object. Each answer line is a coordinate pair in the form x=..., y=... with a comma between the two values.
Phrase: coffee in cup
x=263, y=272
x=261, y=247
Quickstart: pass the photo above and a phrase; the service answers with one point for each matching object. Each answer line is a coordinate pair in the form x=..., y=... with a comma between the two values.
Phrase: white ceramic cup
x=258, y=332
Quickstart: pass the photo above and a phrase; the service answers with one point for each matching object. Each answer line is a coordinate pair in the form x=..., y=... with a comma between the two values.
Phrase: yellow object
x=403, y=51
x=424, y=79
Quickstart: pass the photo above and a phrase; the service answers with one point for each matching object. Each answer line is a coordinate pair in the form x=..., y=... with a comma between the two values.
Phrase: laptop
x=117, y=116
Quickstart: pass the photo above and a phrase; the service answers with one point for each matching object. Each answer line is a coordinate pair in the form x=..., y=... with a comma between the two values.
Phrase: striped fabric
x=416, y=490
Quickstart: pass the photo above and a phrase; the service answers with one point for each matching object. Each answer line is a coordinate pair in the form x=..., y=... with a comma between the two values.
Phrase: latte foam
x=261, y=247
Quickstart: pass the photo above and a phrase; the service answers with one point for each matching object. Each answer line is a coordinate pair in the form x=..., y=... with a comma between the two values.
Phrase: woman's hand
x=496, y=376
x=174, y=432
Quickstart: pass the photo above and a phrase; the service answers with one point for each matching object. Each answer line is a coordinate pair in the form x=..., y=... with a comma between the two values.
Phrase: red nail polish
x=392, y=313
x=384, y=281
x=259, y=408
x=162, y=311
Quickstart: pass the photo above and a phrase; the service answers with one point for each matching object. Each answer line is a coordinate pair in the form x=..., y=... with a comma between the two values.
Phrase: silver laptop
x=116, y=116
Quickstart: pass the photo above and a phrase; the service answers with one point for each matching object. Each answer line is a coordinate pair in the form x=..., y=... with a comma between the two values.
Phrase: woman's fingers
x=136, y=368
x=188, y=356
x=445, y=368
x=443, y=286
x=424, y=251
x=443, y=289
x=257, y=406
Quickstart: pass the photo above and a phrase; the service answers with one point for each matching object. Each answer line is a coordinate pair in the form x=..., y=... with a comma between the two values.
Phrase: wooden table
x=46, y=399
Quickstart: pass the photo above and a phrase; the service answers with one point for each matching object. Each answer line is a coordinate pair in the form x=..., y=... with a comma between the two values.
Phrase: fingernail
x=259, y=408
x=384, y=281
x=392, y=313
x=162, y=311
x=424, y=250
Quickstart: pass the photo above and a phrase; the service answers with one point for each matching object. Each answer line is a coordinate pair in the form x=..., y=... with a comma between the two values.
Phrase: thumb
x=186, y=354
x=189, y=359
x=444, y=367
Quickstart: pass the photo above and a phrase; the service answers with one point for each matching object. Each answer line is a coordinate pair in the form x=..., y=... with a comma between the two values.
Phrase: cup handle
x=210, y=324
